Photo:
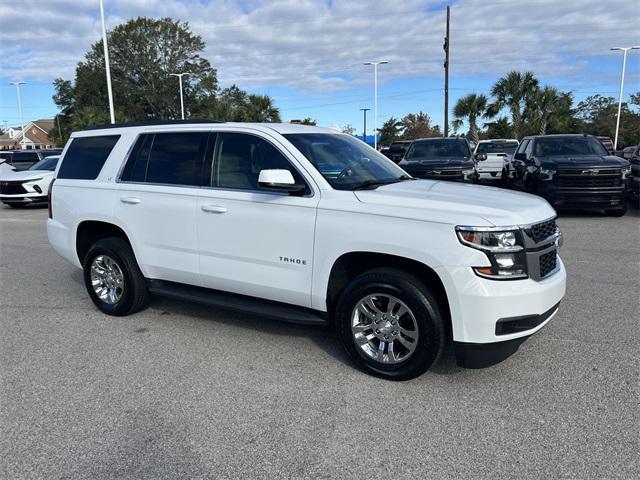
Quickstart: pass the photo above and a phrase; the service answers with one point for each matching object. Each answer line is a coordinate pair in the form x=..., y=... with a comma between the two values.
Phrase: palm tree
x=540, y=107
x=511, y=91
x=471, y=107
x=390, y=130
x=260, y=108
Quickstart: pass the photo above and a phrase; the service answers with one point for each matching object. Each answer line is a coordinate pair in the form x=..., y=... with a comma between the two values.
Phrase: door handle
x=130, y=200
x=214, y=209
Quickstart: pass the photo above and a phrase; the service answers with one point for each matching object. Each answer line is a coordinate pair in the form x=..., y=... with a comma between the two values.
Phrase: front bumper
x=478, y=304
x=584, y=197
x=24, y=198
x=635, y=188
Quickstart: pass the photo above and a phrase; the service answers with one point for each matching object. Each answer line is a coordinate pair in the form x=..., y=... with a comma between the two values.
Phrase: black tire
x=417, y=297
x=135, y=294
x=617, y=212
x=504, y=179
x=17, y=205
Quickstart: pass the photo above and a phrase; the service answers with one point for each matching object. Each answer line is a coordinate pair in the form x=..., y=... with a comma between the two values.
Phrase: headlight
x=626, y=171
x=546, y=174
x=504, y=249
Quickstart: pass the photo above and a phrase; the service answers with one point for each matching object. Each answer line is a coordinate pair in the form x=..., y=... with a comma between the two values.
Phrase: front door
x=252, y=241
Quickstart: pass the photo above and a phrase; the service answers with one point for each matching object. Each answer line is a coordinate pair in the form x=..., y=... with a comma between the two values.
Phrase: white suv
x=309, y=225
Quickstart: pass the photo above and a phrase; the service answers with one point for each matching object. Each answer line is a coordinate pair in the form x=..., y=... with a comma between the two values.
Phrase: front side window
x=346, y=162
x=563, y=146
x=438, y=148
x=86, y=156
x=240, y=158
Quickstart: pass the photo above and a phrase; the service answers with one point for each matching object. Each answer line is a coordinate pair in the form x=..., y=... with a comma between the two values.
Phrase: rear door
x=157, y=196
x=253, y=241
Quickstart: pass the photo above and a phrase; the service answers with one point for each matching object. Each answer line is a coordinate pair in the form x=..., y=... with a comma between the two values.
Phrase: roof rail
x=150, y=123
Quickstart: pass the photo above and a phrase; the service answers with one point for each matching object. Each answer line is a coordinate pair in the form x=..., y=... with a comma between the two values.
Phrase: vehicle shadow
x=633, y=211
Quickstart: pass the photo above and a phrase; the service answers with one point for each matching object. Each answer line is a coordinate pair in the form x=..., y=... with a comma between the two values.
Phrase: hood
x=458, y=203
x=437, y=161
x=579, y=161
x=25, y=175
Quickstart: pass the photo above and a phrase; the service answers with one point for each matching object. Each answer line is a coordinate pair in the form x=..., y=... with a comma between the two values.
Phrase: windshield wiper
x=379, y=183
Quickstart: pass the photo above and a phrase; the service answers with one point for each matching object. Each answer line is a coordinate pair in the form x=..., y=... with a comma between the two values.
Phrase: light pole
x=17, y=84
x=106, y=63
x=364, y=111
x=375, y=99
x=624, y=64
x=179, y=75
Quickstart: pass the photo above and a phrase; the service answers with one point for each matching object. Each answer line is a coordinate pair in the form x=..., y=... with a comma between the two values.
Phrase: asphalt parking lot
x=185, y=391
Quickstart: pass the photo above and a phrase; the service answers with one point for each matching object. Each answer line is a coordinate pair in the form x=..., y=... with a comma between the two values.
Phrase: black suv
x=24, y=159
x=397, y=150
x=440, y=158
x=574, y=171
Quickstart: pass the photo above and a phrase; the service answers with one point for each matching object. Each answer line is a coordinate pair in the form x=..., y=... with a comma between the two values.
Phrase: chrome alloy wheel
x=107, y=279
x=384, y=328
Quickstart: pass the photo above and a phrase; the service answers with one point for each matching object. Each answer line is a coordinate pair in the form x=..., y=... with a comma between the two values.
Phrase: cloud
x=319, y=46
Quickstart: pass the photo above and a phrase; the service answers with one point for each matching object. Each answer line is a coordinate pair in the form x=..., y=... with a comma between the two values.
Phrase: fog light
x=37, y=188
x=505, y=261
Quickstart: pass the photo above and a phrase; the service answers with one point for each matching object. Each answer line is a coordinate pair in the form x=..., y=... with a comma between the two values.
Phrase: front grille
x=11, y=188
x=548, y=263
x=424, y=172
x=589, y=178
x=543, y=230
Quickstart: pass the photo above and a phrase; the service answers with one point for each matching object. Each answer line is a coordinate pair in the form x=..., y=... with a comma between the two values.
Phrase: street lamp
x=179, y=75
x=17, y=84
x=364, y=111
x=624, y=64
x=375, y=99
x=106, y=63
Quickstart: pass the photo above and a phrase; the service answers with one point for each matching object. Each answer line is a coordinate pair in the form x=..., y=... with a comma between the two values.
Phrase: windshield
x=497, y=147
x=562, y=146
x=346, y=162
x=48, y=163
x=438, y=148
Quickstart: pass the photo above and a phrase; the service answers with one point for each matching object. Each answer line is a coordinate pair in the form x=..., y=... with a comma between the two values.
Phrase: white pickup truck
x=308, y=225
x=492, y=157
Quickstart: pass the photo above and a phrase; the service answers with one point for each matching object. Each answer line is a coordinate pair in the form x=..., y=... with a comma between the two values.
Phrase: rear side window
x=26, y=157
x=167, y=158
x=85, y=157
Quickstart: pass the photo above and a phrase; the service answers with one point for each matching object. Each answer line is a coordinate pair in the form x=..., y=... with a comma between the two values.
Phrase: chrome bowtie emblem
x=590, y=172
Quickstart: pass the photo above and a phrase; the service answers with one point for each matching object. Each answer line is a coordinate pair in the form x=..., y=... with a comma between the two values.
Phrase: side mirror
x=481, y=157
x=520, y=156
x=279, y=180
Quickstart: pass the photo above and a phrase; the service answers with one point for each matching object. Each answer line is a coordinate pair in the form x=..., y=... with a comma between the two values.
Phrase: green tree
x=511, y=92
x=418, y=125
x=349, y=129
x=599, y=115
x=500, y=128
x=308, y=121
x=471, y=107
x=143, y=52
x=390, y=131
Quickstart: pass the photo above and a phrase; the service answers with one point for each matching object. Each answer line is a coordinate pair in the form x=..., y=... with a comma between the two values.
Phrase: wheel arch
x=349, y=265
x=90, y=231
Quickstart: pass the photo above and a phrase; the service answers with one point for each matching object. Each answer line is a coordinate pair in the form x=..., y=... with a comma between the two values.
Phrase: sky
x=309, y=54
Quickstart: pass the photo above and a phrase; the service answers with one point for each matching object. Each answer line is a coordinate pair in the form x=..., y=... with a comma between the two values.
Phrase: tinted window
x=438, y=148
x=523, y=146
x=562, y=146
x=25, y=157
x=240, y=158
x=344, y=161
x=136, y=168
x=397, y=147
x=86, y=156
x=53, y=151
x=176, y=158
x=497, y=147
x=46, y=164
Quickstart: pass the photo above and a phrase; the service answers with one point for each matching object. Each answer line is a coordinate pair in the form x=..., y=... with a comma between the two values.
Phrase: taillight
x=49, y=198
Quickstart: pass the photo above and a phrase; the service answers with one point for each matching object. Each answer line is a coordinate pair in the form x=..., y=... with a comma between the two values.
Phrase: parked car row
x=24, y=159
x=573, y=170
x=21, y=188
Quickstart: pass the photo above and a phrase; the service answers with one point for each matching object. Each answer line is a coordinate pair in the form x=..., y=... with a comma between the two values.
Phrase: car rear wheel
x=113, y=279
x=390, y=324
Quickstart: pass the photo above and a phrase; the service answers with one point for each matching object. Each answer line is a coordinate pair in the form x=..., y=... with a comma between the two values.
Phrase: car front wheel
x=390, y=324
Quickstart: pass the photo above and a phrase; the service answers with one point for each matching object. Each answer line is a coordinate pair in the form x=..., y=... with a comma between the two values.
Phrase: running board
x=237, y=303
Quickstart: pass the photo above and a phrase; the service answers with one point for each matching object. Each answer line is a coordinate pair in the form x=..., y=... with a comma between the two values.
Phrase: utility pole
x=106, y=63
x=624, y=64
x=375, y=99
x=179, y=75
x=364, y=111
x=17, y=84
x=446, y=76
